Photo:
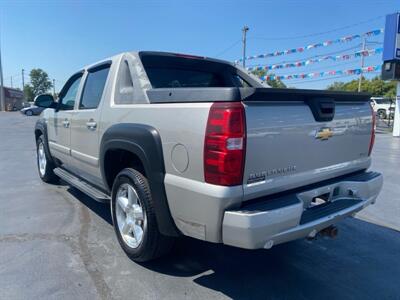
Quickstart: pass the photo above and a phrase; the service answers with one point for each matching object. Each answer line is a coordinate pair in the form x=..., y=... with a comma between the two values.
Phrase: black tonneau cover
x=274, y=94
x=176, y=95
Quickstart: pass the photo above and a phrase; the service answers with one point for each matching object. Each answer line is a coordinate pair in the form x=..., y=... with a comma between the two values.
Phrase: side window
x=67, y=102
x=240, y=82
x=124, y=91
x=94, y=87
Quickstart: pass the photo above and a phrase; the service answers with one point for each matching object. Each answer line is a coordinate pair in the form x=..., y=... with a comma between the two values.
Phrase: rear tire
x=29, y=113
x=45, y=165
x=134, y=218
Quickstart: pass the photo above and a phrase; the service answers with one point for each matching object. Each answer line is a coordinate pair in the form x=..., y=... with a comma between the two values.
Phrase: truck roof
x=155, y=53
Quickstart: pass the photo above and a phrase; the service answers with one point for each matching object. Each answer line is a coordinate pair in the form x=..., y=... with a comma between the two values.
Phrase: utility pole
x=364, y=44
x=244, y=30
x=54, y=87
x=396, y=121
x=11, y=81
x=23, y=79
x=2, y=100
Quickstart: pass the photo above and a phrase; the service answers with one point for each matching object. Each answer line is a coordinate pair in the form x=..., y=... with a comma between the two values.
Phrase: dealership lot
x=55, y=242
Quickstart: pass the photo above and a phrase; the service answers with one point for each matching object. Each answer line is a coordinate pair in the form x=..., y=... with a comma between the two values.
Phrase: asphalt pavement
x=57, y=243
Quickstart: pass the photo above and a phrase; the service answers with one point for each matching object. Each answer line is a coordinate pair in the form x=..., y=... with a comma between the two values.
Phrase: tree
x=337, y=86
x=40, y=84
x=275, y=83
x=375, y=86
x=28, y=92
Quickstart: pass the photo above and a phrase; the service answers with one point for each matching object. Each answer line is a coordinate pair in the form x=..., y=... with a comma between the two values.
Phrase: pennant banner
x=323, y=74
x=317, y=45
x=304, y=63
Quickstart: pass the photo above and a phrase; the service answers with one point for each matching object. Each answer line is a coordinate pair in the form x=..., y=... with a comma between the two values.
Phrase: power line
x=13, y=76
x=319, y=33
x=228, y=48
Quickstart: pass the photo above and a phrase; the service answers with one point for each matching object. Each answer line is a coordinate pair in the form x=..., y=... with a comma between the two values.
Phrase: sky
x=60, y=37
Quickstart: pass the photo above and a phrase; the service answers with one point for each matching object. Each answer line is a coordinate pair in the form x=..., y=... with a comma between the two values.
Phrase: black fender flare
x=41, y=126
x=144, y=141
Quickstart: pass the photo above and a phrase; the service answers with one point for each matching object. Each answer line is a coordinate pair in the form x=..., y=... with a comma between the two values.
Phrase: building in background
x=14, y=99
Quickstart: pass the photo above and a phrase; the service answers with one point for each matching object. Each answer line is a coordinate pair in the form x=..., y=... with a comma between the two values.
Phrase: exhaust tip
x=312, y=235
x=269, y=244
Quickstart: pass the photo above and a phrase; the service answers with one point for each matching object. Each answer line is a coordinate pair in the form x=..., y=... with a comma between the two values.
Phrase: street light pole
x=54, y=87
x=362, y=64
x=2, y=100
x=244, y=30
x=23, y=79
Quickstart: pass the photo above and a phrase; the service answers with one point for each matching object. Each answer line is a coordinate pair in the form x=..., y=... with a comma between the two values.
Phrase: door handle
x=65, y=123
x=91, y=124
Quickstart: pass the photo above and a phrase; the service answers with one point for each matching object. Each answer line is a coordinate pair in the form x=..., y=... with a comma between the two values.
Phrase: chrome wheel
x=41, y=159
x=131, y=219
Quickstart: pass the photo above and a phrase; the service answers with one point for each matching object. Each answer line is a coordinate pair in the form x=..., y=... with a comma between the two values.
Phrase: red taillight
x=372, y=141
x=225, y=144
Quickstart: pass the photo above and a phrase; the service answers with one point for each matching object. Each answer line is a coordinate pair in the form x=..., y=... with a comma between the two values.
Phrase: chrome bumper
x=279, y=219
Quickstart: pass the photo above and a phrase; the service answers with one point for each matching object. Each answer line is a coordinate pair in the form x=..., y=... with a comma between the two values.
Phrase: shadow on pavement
x=100, y=209
x=362, y=263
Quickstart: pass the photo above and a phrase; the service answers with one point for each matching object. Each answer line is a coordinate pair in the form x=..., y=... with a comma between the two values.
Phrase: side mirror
x=46, y=101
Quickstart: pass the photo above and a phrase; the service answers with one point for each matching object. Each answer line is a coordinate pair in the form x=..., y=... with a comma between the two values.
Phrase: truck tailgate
x=288, y=146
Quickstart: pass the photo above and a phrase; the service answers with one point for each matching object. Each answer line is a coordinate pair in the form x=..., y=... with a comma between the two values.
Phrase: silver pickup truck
x=187, y=145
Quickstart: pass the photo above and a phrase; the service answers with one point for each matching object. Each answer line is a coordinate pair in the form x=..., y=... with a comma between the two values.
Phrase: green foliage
x=375, y=86
x=272, y=83
x=28, y=92
x=40, y=84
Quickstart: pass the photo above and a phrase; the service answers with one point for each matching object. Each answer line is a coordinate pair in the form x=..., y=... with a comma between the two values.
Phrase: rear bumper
x=275, y=220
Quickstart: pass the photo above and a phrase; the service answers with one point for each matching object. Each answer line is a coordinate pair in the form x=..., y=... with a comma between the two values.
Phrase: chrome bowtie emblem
x=324, y=134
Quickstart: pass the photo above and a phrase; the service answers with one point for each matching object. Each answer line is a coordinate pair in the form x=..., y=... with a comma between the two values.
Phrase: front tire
x=134, y=219
x=45, y=166
x=382, y=114
x=29, y=113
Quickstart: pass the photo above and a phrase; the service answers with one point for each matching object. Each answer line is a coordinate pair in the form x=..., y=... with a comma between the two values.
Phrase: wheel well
x=115, y=160
x=37, y=134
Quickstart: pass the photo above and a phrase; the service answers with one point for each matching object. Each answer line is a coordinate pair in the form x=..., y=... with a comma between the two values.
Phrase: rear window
x=170, y=71
x=175, y=78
